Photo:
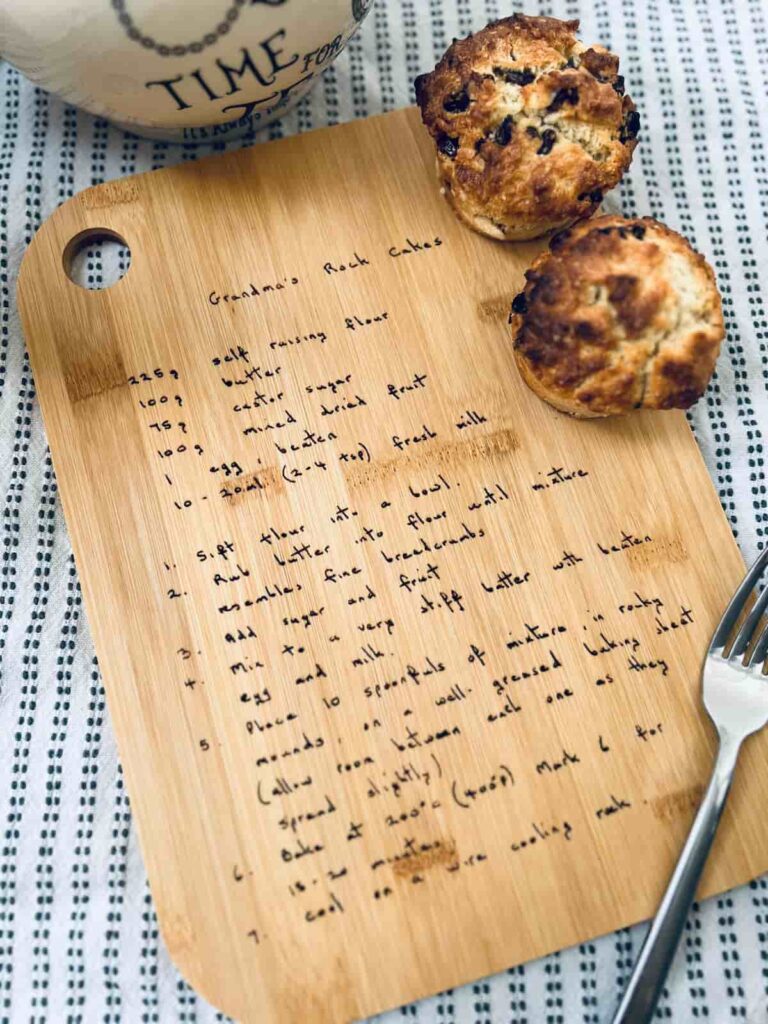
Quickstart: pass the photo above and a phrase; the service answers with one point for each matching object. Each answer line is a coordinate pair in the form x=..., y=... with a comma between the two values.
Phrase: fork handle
x=651, y=969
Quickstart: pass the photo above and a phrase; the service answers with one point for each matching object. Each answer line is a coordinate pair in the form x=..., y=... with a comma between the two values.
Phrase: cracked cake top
x=531, y=126
x=619, y=314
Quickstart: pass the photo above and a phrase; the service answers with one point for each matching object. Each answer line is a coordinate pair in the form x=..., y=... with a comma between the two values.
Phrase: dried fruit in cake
x=531, y=126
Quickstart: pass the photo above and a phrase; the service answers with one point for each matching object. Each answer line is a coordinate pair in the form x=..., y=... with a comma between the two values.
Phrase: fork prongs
x=746, y=634
x=760, y=650
x=736, y=606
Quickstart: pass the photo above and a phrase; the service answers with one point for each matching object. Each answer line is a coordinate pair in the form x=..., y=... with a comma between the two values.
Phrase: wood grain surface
x=403, y=665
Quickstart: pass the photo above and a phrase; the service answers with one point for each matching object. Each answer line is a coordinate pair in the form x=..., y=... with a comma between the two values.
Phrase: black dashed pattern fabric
x=79, y=940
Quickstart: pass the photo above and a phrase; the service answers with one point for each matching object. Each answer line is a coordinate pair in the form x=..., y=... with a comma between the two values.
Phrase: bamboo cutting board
x=403, y=664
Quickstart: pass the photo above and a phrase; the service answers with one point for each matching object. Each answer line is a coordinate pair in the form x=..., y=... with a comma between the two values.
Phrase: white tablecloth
x=78, y=935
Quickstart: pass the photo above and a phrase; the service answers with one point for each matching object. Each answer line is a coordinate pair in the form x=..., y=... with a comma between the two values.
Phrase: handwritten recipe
x=386, y=626
x=403, y=665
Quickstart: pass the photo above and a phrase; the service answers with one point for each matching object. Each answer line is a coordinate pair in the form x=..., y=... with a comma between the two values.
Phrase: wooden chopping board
x=403, y=664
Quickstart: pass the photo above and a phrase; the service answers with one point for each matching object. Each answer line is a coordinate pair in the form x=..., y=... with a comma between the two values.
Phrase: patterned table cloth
x=79, y=940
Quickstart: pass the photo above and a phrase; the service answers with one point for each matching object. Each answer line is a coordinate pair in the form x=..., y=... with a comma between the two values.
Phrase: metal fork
x=736, y=698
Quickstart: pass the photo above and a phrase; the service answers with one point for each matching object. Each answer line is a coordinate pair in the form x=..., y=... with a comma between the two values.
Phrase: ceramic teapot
x=184, y=70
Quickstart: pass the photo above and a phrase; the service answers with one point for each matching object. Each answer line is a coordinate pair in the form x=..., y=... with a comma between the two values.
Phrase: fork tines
x=748, y=630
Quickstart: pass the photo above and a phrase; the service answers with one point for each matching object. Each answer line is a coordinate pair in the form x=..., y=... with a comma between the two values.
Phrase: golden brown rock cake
x=531, y=126
x=619, y=314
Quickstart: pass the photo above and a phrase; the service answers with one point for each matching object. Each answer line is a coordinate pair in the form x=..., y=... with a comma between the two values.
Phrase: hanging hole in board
x=96, y=259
